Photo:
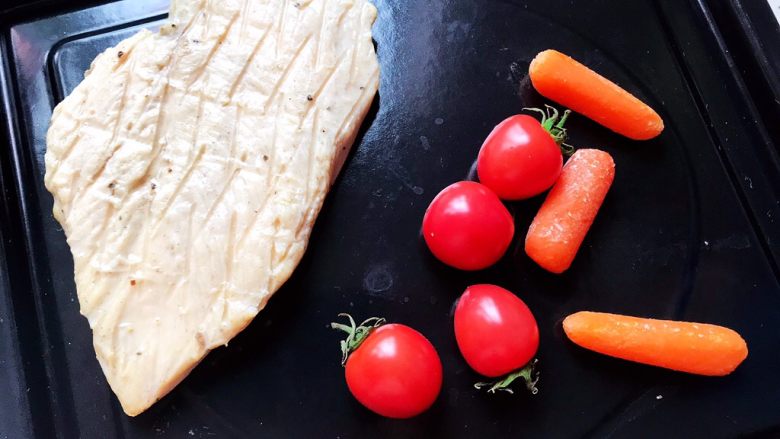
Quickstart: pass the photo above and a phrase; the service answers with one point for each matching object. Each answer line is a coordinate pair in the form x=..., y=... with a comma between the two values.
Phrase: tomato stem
x=528, y=373
x=356, y=334
x=555, y=126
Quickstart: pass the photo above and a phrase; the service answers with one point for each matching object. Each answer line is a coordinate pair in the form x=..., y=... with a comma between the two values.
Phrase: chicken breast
x=189, y=166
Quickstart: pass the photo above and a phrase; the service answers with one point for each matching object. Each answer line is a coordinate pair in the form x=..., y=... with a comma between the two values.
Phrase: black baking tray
x=756, y=50
x=689, y=231
x=14, y=407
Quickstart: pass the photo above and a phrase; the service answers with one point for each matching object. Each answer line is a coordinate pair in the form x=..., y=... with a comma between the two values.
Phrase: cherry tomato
x=466, y=226
x=495, y=330
x=519, y=159
x=395, y=372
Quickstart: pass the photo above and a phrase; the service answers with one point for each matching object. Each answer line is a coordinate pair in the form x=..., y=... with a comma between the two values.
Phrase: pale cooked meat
x=188, y=169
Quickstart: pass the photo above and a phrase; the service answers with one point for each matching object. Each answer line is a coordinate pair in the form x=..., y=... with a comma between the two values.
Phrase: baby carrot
x=695, y=348
x=569, y=83
x=568, y=212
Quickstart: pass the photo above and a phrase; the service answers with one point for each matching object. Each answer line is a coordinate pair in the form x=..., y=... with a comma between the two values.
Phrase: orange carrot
x=568, y=212
x=686, y=347
x=569, y=83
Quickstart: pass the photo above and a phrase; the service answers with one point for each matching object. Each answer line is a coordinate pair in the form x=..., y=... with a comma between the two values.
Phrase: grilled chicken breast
x=189, y=166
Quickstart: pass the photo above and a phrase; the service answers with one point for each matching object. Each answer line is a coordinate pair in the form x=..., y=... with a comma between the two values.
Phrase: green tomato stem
x=554, y=125
x=529, y=374
x=356, y=334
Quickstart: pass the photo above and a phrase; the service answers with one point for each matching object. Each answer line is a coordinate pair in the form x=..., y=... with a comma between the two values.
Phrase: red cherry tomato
x=395, y=372
x=519, y=159
x=495, y=330
x=466, y=226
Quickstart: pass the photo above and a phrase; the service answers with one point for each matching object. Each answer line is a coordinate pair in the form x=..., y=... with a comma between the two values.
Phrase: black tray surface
x=687, y=232
x=14, y=406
